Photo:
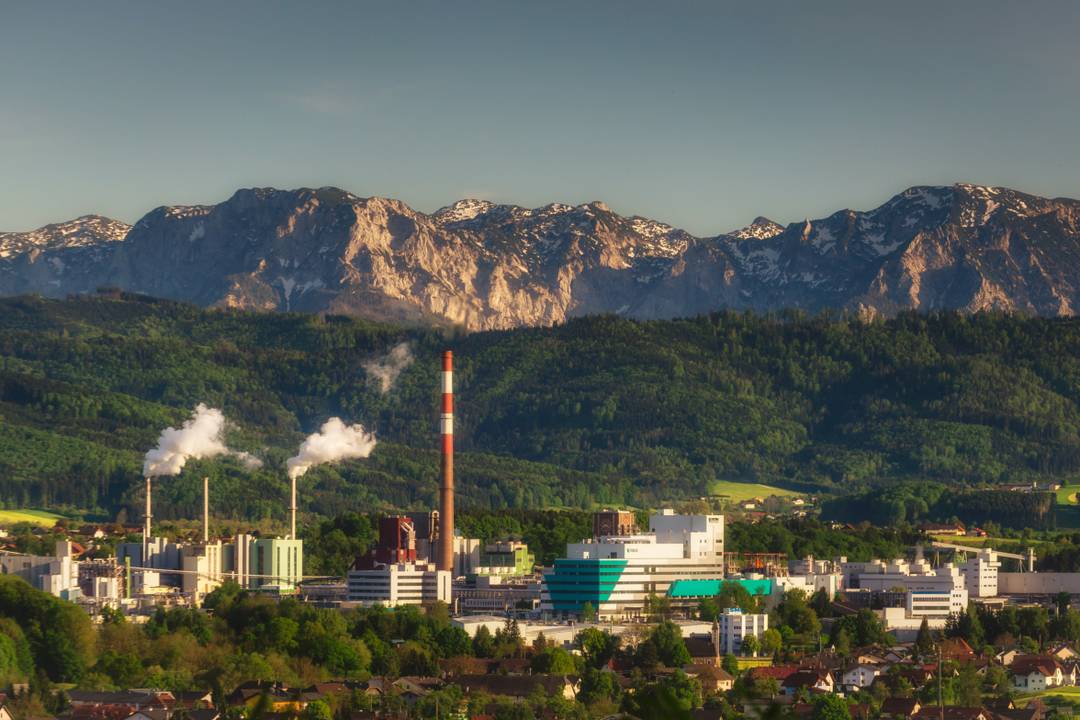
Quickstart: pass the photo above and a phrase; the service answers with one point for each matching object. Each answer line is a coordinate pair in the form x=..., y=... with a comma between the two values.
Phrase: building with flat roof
x=735, y=626
x=399, y=584
x=617, y=575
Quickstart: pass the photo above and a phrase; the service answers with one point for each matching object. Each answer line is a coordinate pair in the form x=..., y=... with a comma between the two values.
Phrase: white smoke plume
x=249, y=461
x=334, y=441
x=387, y=368
x=198, y=437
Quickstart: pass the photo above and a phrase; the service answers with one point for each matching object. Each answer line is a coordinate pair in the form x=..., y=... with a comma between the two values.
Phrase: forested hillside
x=600, y=410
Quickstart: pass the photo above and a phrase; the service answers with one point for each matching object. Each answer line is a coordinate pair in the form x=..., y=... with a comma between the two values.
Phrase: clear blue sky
x=698, y=114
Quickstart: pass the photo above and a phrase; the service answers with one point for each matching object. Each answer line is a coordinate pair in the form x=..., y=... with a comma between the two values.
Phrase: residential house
x=115, y=702
x=1007, y=657
x=412, y=688
x=519, y=687
x=860, y=675
x=713, y=679
x=1034, y=710
x=1065, y=653
x=151, y=714
x=900, y=708
x=194, y=699
x=279, y=698
x=810, y=679
x=957, y=650
x=1034, y=673
x=954, y=713
x=779, y=673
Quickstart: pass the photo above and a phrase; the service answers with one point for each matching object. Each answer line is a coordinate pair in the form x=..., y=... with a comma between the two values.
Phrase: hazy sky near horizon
x=699, y=114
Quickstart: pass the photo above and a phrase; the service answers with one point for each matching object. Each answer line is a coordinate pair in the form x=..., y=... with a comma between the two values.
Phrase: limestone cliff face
x=487, y=266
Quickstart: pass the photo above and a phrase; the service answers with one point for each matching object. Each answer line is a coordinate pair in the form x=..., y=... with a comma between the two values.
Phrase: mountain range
x=488, y=266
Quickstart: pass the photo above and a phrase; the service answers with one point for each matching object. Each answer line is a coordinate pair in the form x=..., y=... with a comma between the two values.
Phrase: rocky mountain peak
x=462, y=210
x=761, y=229
x=484, y=265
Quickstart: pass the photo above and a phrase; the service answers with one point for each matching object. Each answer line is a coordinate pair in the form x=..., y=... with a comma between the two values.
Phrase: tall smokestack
x=446, y=482
x=292, y=510
x=206, y=510
x=146, y=527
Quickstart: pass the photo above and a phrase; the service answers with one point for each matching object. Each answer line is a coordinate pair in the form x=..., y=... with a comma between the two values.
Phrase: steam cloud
x=335, y=441
x=198, y=437
x=249, y=461
x=387, y=369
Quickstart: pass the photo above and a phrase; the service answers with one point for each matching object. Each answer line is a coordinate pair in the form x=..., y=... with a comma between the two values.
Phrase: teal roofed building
x=617, y=575
x=696, y=589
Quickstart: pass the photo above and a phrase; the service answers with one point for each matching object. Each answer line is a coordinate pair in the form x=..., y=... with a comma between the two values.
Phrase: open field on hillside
x=1066, y=495
x=38, y=517
x=739, y=492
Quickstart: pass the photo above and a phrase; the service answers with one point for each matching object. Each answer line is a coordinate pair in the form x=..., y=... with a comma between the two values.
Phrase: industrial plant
x=618, y=575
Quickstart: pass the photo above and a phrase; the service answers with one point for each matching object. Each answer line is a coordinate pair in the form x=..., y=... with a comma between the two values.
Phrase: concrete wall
x=1038, y=583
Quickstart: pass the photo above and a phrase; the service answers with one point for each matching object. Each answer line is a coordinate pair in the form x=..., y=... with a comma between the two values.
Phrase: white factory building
x=399, y=584
x=266, y=564
x=617, y=574
x=981, y=574
x=930, y=592
x=55, y=574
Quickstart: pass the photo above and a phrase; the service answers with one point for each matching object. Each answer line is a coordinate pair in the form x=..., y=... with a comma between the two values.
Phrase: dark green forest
x=601, y=410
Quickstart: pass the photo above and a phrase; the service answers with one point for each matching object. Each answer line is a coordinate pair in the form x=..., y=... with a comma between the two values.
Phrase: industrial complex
x=618, y=575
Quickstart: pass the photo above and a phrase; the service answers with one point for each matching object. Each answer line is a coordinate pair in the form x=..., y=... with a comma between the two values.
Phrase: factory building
x=930, y=592
x=56, y=574
x=614, y=523
x=157, y=554
x=203, y=568
x=618, y=574
x=278, y=564
x=474, y=558
x=981, y=574
x=399, y=584
x=395, y=573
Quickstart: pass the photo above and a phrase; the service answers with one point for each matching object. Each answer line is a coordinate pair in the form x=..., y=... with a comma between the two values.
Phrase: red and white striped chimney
x=445, y=559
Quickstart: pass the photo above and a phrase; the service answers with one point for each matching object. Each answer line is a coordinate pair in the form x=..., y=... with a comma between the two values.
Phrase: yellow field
x=1066, y=495
x=738, y=492
x=37, y=517
x=1067, y=692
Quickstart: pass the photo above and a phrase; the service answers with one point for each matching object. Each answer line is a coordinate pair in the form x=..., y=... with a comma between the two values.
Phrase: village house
x=1036, y=673
x=713, y=679
x=896, y=708
x=812, y=680
x=859, y=676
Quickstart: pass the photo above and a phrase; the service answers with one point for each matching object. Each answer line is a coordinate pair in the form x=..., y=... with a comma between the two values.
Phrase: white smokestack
x=146, y=527
x=206, y=510
x=335, y=441
x=198, y=437
x=386, y=369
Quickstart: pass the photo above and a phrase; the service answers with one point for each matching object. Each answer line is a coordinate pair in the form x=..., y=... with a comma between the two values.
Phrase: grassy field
x=38, y=517
x=1068, y=693
x=1066, y=495
x=738, y=492
x=975, y=542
